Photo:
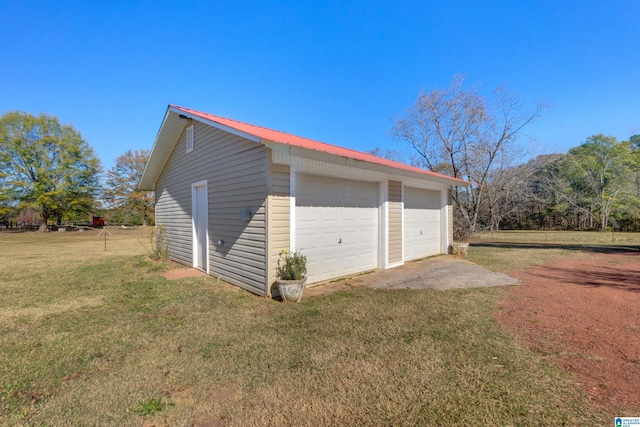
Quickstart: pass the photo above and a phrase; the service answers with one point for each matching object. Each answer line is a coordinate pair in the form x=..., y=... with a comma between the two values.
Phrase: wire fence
x=69, y=226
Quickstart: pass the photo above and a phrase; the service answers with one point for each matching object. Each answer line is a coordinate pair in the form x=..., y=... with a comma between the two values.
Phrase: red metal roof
x=298, y=141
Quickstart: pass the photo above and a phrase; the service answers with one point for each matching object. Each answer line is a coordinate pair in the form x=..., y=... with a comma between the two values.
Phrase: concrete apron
x=441, y=272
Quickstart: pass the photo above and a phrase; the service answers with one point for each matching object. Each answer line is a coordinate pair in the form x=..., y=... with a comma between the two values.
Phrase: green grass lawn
x=94, y=337
x=561, y=237
x=513, y=250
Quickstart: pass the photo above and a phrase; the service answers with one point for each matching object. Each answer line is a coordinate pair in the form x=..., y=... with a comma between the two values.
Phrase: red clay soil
x=584, y=313
x=181, y=273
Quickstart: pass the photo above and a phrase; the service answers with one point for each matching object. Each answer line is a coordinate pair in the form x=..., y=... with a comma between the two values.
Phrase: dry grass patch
x=192, y=351
x=561, y=237
x=9, y=315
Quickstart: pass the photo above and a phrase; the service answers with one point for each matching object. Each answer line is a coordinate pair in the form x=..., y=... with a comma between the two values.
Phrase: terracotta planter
x=291, y=290
x=459, y=248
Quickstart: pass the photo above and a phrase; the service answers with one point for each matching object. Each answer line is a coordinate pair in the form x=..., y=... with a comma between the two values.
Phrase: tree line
x=50, y=174
x=595, y=186
x=47, y=169
x=458, y=132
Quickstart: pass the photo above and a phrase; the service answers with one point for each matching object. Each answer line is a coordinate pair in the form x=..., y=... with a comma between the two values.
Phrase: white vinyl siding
x=236, y=170
x=422, y=231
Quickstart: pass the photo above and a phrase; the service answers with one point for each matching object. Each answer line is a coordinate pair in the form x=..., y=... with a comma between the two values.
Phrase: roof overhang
x=414, y=173
x=173, y=124
x=177, y=118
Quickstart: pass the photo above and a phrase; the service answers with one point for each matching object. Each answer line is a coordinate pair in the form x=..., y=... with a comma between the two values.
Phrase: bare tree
x=389, y=154
x=505, y=187
x=126, y=203
x=457, y=131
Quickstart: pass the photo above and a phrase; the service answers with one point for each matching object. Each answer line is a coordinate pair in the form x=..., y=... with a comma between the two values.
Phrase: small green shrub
x=291, y=265
x=159, y=242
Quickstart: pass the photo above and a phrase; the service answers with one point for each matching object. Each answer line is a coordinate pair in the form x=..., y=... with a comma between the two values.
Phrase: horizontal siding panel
x=252, y=165
x=229, y=268
x=395, y=191
x=233, y=226
x=230, y=238
x=249, y=261
x=235, y=170
x=245, y=188
x=278, y=215
x=239, y=230
x=239, y=267
x=232, y=198
x=249, y=179
x=233, y=215
x=243, y=246
x=232, y=218
x=280, y=184
x=234, y=211
x=395, y=229
x=248, y=281
x=395, y=253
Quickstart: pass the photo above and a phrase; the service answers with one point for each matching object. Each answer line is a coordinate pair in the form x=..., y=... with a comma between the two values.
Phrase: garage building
x=231, y=195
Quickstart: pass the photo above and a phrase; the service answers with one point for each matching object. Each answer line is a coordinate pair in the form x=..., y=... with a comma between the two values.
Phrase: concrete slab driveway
x=442, y=272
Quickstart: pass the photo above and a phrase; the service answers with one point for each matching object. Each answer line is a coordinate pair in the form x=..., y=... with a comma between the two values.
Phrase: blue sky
x=334, y=71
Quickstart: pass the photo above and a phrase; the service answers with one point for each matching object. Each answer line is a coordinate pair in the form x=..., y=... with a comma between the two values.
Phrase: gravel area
x=441, y=272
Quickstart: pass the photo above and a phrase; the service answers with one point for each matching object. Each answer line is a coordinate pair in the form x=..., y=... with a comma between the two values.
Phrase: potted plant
x=460, y=244
x=292, y=275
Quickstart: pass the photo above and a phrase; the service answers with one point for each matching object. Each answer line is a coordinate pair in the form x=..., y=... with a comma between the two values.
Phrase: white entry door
x=336, y=224
x=422, y=232
x=200, y=201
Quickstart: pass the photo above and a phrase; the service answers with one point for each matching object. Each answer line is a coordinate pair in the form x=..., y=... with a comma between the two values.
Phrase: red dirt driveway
x=584, y=313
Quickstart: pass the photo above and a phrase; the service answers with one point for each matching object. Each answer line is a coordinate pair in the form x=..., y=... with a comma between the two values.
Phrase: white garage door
x=421, y=223
x=336, y=225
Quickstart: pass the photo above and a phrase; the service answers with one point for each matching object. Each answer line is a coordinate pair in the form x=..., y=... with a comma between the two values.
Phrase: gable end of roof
x=176, y=118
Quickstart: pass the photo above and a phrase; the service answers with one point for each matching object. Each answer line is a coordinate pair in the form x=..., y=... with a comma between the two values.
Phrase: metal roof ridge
x=358, y=154
x=258, y=126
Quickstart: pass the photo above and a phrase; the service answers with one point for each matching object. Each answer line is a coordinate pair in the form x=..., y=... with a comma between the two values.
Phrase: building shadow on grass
x=600, y=275
x=630, y=250
x=610, y=277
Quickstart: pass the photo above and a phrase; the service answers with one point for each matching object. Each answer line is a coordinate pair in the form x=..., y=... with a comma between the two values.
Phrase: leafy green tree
x=599, y=173
x=633, y=162
x=46, y=165
x=6, y=207
x=127, y=203
x=592, y=181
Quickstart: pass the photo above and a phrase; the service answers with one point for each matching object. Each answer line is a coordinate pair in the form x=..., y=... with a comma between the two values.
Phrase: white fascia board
x=403, y=175
x=170, y=130
x=155, y=162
